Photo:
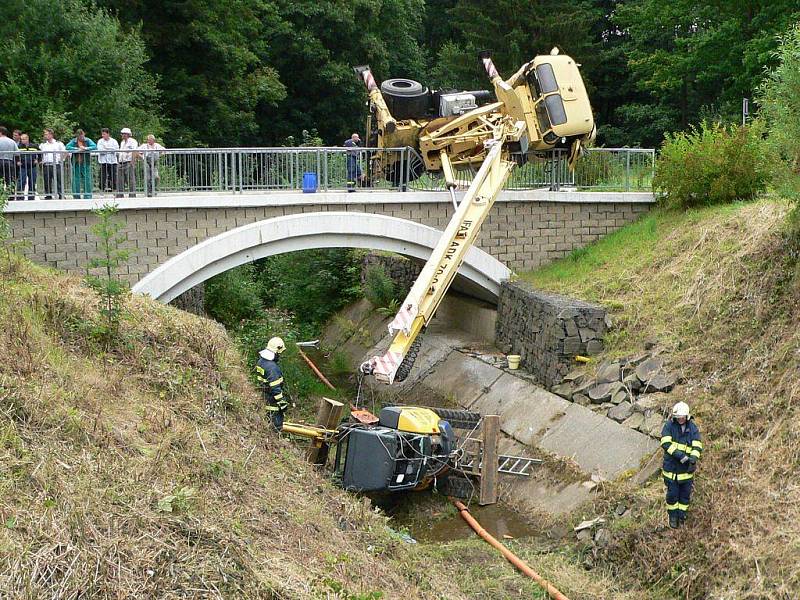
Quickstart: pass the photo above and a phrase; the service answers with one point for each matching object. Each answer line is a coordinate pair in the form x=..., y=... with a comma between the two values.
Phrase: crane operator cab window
x=550, y=110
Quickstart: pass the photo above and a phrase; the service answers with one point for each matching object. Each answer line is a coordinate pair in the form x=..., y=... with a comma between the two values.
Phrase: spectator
x=151, y=152
x=353, y=166
x=53, y=153
x=7, y=148
x=28, y=164
x=126, y=168
x=16, y=136
x=107, y=160
x=80, y=146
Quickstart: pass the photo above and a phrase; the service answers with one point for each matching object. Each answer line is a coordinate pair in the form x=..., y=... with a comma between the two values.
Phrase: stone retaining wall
x=547, y=330
x=403, y=271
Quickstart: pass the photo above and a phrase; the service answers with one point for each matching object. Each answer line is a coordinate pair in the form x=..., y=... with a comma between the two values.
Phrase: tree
x=67, y=59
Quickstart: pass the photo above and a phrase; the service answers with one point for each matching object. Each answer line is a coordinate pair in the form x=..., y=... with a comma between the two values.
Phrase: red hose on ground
x=510, y=556
x=314, y=368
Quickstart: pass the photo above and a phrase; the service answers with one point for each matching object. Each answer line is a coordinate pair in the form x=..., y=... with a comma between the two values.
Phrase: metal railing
x=45, y=175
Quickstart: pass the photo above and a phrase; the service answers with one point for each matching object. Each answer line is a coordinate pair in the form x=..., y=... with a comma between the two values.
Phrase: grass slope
x=716, y=287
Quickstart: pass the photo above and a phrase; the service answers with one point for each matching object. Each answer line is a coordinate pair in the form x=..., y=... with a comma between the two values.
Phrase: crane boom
x=541, y=107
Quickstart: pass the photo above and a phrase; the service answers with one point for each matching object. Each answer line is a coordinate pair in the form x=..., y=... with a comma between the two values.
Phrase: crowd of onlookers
x=21, y=161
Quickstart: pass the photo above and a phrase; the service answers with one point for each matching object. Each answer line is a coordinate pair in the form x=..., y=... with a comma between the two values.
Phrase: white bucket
x=513, y=361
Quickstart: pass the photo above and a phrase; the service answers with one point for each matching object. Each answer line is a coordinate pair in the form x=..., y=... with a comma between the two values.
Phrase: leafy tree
x=65, y=61
x=234, y=296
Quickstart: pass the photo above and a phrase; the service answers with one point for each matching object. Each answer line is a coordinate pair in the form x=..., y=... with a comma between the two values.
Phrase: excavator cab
x=406, y=449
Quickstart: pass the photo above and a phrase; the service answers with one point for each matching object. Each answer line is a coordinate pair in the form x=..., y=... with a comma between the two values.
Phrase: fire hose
x=509, y=556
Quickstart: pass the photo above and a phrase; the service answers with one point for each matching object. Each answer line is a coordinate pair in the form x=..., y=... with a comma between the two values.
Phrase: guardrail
x=52, y=175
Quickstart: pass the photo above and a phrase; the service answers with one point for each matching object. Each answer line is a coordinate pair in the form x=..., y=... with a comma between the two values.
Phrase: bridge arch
x=480, y=272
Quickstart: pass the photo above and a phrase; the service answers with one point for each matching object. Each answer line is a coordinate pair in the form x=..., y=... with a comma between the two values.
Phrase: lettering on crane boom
x=463, y=230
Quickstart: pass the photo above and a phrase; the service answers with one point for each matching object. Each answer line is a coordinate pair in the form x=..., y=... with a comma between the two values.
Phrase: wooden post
x=328, y=416
x=490, y=431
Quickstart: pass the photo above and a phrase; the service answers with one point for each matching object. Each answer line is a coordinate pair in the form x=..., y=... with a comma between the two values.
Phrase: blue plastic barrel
x=309, y=183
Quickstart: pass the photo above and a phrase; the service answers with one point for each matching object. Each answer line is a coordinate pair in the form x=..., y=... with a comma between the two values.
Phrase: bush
x=379, y=288
x=712, y=164
x=779, y=101
x=233, y=296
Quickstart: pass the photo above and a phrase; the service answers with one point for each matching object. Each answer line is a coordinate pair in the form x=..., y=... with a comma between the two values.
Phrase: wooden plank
x=490, y=432
x=329, y=414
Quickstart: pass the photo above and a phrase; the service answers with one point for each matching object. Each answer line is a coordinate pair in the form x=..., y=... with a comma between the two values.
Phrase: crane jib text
x=461, y=236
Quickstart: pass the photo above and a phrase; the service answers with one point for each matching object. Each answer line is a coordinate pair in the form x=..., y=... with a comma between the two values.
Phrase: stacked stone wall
x=403, y=271
x=547, y=330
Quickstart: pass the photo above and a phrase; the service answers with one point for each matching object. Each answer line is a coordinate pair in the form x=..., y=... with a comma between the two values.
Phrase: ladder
x=510, y=465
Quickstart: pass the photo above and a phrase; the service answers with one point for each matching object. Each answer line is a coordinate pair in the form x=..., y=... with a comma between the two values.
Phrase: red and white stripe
x=404, y=318
x=386, y=366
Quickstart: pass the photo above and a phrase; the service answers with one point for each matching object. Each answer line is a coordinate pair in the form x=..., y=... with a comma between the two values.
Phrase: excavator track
x=408, y=362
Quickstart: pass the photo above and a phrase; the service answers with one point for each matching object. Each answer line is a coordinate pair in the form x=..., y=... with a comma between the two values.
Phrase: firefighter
x=270, y=376
x=680, y=440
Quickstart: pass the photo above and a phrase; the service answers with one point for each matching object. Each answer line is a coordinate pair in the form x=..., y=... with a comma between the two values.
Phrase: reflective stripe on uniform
x=666, y=439
x=683, y=507
x=276, y=382
x=677, y=476
x=278, y=397
x=672, y=506
x=272, y=408
x=697, y=444
x=672, y=448
x=259, y=370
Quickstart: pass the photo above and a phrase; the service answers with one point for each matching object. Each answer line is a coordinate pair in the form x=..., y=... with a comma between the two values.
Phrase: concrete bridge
x=178, y=241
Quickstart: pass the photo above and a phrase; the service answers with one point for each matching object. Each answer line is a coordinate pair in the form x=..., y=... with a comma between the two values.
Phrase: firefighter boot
x=673, y=521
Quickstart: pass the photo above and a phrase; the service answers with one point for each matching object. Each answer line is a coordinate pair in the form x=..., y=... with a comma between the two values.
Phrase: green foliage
x=779, y=98
x=313, y=284
x=233, y=296
x=379, y=288
x=711, y=164
x=178, y=502
x=112, y=256
x=66, y=61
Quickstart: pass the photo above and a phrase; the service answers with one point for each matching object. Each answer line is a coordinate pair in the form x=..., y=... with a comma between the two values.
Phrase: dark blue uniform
x=682, y=449
x=353, y=166
x=270, y=376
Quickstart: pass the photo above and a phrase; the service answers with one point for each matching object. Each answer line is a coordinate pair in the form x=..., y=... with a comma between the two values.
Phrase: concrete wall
x=524, y=229
x=547, y=330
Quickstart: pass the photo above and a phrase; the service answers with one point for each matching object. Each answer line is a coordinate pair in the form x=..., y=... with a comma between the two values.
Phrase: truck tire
x=405, y=98
x=458, y=419
x=456, y=486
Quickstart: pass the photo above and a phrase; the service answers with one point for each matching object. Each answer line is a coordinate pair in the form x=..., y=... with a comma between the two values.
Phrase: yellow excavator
x=540, y=108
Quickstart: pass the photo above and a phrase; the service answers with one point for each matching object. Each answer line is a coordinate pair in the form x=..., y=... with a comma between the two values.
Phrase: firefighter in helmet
x=680, y=440
x=270, y=377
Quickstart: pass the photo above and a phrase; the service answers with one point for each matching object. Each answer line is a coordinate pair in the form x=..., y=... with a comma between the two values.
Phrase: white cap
x=126, y=130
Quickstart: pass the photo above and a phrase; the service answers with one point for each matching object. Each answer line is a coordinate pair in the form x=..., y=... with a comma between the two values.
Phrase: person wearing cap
x=107, y=159
x=270, y=377
x=126, y=171
x=680, y=440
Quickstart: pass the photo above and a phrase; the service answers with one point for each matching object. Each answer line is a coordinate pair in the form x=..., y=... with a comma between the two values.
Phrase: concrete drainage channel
x=457, y=366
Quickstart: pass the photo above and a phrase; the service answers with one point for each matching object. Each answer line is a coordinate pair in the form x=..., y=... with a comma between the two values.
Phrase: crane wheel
x=458, y=419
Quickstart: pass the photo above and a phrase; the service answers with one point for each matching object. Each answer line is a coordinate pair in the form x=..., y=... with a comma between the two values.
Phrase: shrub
x=712, y=164
x=379, y=288
x=233, y=296
x=779, y=101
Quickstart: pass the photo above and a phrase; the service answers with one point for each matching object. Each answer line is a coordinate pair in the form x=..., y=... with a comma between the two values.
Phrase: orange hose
x=315, y=369
x=510, y=556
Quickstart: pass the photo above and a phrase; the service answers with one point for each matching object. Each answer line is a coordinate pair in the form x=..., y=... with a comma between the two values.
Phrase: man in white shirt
x=107, y=157
x=150, y=152
x=53, y=153
x=126, y=171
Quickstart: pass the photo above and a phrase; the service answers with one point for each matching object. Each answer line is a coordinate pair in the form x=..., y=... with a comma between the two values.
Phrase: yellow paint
x=418, y=420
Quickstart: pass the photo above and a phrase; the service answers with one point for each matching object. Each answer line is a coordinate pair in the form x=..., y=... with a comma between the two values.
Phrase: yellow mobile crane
x=541, y=107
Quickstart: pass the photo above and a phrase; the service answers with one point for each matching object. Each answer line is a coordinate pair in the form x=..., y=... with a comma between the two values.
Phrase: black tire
x=408, y=362
x=456, y=486
x=405, y=98
x=458, y=419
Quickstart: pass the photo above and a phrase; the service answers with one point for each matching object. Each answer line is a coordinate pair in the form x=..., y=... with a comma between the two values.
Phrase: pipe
x=510, y=556
x=314, y=368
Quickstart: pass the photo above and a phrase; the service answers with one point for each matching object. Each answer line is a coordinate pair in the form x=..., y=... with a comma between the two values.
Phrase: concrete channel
x=458, y=365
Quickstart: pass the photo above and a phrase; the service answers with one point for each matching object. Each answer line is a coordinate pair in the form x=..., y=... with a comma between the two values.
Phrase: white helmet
x=681, y=409
x=277, y=346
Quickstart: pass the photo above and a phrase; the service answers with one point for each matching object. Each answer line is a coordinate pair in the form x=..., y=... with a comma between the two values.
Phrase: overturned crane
x=542, y=107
